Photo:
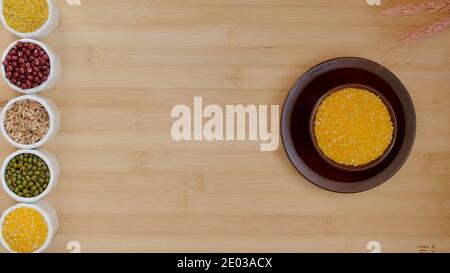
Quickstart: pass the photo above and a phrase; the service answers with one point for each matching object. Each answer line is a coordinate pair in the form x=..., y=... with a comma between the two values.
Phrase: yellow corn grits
x=25, y=230
x=25, y=16
x=353, y=127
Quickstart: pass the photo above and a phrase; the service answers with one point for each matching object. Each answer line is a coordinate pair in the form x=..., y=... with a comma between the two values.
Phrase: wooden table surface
x=126, y=186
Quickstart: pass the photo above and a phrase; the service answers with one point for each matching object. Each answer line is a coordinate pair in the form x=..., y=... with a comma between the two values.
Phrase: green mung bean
x=27, y=175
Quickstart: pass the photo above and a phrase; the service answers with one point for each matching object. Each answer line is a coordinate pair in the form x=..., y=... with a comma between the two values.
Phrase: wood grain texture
x=127, y=186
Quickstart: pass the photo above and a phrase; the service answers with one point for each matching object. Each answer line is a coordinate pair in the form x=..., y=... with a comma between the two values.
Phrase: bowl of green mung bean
x=29, y=19
x=29, y=175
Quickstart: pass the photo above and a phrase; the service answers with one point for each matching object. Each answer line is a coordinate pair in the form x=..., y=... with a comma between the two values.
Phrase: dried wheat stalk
x=431, y=7
x=26, y=122
x=426, y=31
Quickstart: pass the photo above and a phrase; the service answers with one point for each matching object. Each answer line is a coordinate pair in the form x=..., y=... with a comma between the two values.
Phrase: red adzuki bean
x=27, y=65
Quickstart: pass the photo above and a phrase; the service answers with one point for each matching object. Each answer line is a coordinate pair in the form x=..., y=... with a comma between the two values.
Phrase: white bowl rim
x=50, y=15
x=52, y=72
x=41, y=100
x=47, y=190
x=32, y=206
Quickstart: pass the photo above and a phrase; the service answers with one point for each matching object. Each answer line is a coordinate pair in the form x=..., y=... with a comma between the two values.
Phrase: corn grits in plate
x=353, y=127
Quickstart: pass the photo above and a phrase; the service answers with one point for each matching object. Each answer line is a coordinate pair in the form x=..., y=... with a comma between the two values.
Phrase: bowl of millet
x=29, y=19
x=30, y=66
x=348, y=125
x=353, y=127
x=28, y=228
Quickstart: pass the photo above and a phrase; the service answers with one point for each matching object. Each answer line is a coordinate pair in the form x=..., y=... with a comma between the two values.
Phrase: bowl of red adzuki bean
x=29, y=66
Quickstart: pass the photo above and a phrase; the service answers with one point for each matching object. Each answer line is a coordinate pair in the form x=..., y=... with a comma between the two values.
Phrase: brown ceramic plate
x=300, y=106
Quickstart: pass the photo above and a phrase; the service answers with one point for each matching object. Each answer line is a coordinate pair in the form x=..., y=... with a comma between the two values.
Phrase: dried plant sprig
x=426, y=31
x=430, y=7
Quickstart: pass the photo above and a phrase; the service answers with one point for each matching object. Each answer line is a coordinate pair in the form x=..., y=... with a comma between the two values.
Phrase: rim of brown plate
x=408, y=109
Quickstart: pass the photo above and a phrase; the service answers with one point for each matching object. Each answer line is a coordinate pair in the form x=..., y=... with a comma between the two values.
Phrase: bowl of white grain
x=29, y=121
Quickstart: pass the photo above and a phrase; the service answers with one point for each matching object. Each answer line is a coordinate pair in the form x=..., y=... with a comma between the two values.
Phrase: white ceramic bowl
x=53, y=114
x=45, y=30
x=53, y=168
x=50, y=216
x=55, y=68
